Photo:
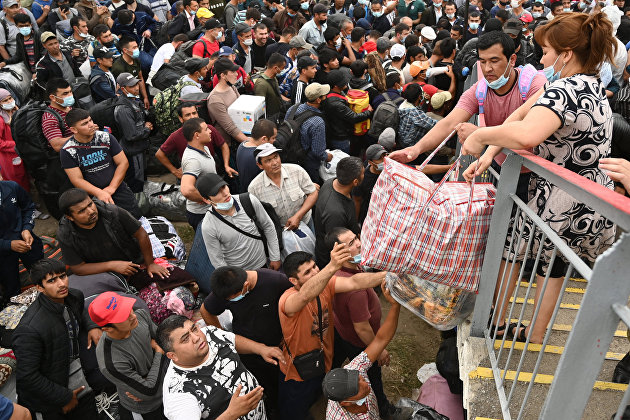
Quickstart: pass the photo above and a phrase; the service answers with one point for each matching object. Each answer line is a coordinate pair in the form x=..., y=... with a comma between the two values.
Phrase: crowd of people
x=345, y=85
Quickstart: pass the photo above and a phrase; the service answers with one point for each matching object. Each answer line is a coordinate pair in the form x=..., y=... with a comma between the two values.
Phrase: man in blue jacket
x=17, y=240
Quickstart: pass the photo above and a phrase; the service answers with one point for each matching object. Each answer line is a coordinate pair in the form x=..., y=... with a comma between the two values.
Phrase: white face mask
x=8, y=106
x=248, y=42
x=338, y=43
x=514, y=3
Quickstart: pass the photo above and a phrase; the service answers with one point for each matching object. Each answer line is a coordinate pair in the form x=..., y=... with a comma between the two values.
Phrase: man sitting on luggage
x=100, y=238
x=230, y=234
x=95, y=162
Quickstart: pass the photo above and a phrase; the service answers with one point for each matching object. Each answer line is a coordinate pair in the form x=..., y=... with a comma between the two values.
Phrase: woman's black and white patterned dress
x=583, y=138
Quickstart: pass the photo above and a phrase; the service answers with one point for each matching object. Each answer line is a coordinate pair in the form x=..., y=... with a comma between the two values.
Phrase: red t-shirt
x=353, y=307
x=176, y=142
x=211, y=48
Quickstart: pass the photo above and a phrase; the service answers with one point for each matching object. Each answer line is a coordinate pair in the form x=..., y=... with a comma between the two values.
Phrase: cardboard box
x=246, y=110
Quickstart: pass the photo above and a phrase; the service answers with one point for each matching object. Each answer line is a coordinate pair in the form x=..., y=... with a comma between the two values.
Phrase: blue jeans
x=343, y=145
x=198, y=263
x=296, y=397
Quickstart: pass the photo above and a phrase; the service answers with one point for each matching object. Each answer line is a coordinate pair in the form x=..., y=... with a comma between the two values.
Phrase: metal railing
x=601, y=308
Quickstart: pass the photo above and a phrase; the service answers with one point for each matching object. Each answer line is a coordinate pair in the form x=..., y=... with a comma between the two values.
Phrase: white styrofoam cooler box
x=246, y=110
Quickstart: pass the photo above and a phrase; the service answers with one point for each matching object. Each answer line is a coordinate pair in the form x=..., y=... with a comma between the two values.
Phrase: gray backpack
x=385, y=116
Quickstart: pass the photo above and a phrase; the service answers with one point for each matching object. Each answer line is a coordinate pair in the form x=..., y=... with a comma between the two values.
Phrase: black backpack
x=385, y=116
x=30, y=142
x=103, y=115
x=288, y=138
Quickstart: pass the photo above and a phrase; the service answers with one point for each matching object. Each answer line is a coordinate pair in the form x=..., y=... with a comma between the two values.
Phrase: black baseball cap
x=102, y=52
x=209, y=184
x=340, y=384
x=212, y=23
x=338, y=78
x=195, y=64
x=304, y=62
x=224, y=64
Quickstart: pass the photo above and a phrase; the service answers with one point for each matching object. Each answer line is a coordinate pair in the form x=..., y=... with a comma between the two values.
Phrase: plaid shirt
x=313, y=133
x=334, y=411
x=414, y=124
x=289, y=79
x=288, y=198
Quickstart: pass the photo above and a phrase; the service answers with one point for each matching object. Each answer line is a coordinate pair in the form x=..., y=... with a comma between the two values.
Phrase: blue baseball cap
x=225, y=51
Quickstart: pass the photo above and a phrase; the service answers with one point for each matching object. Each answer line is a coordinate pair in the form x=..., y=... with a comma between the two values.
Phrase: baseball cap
x=195, y=64
x=428, y=33
x=264, y=150
x=126, y=79
x=429, y=90
x=102, y=52
x=315, y=90
x=382, y=44
x=202, y=12
x=212, y=23
x=299, y=42
x=320, y=8
x=340, y=384
x=526, y=18
x=304, y=62
x=44, y=36
x=241, y=28
x=225, y=51
x=110, y=308
x=338, y=78
x=375, y=152
x=209, y=184
x=397, y=51
x=513, y=27
x=439, y=99
x=223, y=64
x=418, y=66
x=9, y=3
x=387, y=139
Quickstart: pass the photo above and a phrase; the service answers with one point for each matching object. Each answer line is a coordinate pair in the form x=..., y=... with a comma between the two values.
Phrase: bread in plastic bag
x=441, y=306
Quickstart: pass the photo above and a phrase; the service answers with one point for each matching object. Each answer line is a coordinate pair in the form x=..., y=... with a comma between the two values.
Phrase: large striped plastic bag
x=415, y=226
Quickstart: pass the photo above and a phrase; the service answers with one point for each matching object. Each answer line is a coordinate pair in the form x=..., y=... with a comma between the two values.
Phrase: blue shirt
x=37, y=7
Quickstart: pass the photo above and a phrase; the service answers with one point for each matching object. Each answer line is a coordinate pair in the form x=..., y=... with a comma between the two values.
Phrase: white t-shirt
x=165, y=52
x=205, y=391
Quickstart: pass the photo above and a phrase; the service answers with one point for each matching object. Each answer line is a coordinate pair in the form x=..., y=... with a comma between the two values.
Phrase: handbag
x=76, y=378
x=437, y=232
x=312, y=364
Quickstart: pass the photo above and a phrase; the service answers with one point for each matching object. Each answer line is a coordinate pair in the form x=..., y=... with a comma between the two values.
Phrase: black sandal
x=521, y=336
x=498, y=329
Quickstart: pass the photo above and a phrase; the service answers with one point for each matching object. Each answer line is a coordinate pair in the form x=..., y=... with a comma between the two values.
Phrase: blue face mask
x=135, y=53
x=67, y=101
x=501, y=81
x=566, y=9
x=377, y=14
x=536, y=15
x=225, y=206
x=356, y=259
x=26, y=31
x=473, y=25
x=380, y=166
x=304, y=6
x=132, y=96
x=291, y=14
x=193, y=12
x=549, y=71
x=239, y=297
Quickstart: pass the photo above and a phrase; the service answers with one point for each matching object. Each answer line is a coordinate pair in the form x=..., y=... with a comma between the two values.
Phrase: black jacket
x=42, y=349
x=428, y=17
x=20, y=52
x=46, y=69
x=90, y=252
x=340, y=119
x=180, y=25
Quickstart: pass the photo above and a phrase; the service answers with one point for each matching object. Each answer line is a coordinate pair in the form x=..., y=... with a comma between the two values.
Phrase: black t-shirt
x=102, y=246
x=256, y=315
x=258, y=53
x=364, y=190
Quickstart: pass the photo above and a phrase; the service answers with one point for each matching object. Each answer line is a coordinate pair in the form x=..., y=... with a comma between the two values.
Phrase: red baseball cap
x=110, y=308
x=526, y=18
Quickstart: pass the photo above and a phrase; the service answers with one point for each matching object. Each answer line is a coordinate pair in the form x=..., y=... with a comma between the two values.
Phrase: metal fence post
x=501, y=214
x=591, y=335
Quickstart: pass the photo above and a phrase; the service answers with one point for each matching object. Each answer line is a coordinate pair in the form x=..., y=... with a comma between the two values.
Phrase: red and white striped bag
x=435, y=231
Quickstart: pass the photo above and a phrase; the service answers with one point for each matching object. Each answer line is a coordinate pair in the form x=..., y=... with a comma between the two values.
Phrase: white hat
x=264, y=150
x=397, y=51
x=428, y=33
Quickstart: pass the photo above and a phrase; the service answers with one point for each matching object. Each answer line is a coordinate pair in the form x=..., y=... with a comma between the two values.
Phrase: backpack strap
x=205, y=48
x=336, y=95
x=386, y=96
x=246, y=202
x=525, y=79
x=60, y=121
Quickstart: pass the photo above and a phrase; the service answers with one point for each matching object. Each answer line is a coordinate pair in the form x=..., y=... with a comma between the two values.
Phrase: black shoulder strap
x=233, y=226
x=319, y=318
x=60, y=121
x=305, y=116
x=246, y=202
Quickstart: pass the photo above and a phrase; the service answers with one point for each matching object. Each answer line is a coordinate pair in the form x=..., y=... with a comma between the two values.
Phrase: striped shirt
x=50, y=125
x=297, y=92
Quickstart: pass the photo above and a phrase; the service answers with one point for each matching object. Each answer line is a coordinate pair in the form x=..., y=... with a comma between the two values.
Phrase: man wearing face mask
x=185, y=21
x=197, y=69
x=362, y=194
x=25, y=37
x=502, y=97
x=267, y=85
x=129, y=62
x=474, y=26
x=230, y=235
x=252, y=297
x=517, y=9
x=242, y=49
x=132, y=127
x=134, y=6
x=77, y=44
x=55, y=63
x=290, y=16
x=432, y=14
x=501, y=5
x=313, y=30
x=104, y=38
